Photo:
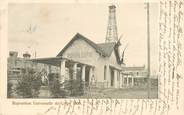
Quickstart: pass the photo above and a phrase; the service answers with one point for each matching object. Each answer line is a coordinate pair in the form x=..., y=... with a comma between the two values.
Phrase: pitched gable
x=91, y=43
x=104, y=49
x=107, y=47
x=110, y=48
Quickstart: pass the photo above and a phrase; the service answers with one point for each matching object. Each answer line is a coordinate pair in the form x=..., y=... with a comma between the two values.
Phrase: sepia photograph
x=83, y=50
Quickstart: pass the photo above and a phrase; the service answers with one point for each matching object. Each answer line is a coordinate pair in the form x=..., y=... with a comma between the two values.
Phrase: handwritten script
x=170, y=77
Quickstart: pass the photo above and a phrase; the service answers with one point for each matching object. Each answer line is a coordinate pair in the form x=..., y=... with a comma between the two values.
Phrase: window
x=105, y=72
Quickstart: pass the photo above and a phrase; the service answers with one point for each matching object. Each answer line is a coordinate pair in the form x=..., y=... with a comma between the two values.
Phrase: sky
x=53, y=26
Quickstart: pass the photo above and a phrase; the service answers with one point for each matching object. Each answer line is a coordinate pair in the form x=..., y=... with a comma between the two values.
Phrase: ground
x=100, y=93
x=128, y=93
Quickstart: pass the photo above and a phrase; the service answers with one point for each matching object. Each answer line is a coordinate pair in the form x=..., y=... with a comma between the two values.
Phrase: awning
x=56, y=61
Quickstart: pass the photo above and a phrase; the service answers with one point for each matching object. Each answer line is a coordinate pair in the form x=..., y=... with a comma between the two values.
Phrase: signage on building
x=82, y=54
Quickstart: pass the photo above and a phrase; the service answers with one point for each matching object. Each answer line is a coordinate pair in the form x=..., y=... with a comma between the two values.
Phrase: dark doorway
x=87, y=76
x=79, y=73
x=112, y=77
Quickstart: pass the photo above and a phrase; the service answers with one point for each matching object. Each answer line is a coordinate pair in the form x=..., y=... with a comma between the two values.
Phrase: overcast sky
x=55, y=24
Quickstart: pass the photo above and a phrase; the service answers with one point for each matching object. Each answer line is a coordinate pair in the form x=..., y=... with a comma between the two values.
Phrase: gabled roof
x=100, y=50
x=104, y=49
x=107, y=47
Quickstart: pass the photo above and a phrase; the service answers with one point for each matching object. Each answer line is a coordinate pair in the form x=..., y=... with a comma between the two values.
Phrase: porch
x=69, y=69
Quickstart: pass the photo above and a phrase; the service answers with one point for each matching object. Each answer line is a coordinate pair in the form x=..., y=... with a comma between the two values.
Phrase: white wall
x=81, y=51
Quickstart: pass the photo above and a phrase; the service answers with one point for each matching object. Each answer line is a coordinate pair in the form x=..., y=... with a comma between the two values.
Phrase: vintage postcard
x=92, y=57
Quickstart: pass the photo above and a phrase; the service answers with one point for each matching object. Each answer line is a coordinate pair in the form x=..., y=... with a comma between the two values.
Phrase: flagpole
x=148, y=49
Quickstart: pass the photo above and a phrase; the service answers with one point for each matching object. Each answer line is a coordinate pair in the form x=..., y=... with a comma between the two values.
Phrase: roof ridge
x=96, y=45
x=93, y=44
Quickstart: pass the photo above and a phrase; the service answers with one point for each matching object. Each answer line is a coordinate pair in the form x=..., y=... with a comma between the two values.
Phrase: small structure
x=16, y=65
x=134, y=76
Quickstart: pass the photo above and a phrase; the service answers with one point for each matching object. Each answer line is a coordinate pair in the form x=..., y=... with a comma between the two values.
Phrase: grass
x=128, y=93
x=124, y=93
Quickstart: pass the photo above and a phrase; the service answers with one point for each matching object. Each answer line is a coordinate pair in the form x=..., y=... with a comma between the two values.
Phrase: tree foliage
x=29, y=84
x=55, y=86
x=9, y=89
x=74, y=85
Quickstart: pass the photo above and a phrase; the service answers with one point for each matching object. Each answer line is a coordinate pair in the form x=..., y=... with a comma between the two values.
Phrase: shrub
x=29, y=84
x=9, y=90
x=76, y=87
x=55, y=86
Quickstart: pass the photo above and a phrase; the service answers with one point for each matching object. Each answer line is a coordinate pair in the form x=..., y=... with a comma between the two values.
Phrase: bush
x=71, y=87
x=29, y=84
x=55, y=86
x=9, y=90
x=76, y=87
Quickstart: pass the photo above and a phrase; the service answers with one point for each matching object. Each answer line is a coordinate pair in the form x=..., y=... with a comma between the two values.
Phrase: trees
x=29, y=84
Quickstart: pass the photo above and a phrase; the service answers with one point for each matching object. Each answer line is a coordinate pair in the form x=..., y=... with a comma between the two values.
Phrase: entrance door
x=112, y=77
x=87, y=76
x=79, y=73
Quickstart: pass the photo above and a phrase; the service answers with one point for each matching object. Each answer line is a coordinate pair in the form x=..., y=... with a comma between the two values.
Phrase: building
x=100, y=65
x=16, y=65
x=135, y=76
